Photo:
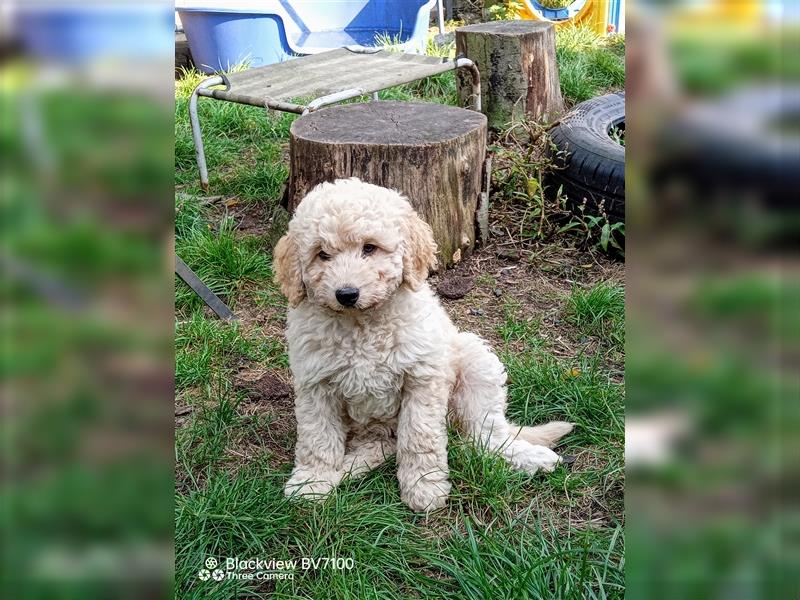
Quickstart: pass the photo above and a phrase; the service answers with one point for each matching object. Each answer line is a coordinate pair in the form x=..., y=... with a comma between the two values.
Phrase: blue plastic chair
x=223, y=34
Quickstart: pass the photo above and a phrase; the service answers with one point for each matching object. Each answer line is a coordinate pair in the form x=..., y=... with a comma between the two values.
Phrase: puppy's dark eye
x=323, y=255
x=369, y=249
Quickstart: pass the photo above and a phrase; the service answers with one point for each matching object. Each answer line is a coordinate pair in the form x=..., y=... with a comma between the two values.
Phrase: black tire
x=590, y=165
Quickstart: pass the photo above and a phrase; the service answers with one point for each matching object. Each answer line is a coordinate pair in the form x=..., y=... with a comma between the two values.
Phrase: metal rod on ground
x=201, y=289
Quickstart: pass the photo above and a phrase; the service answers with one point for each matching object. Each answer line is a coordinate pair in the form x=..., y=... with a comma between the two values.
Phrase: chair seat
x=328, y=73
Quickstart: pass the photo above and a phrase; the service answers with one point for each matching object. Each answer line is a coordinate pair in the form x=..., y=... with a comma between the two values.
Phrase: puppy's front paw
x=531, y=458
x=311, y=485
x=426, y=493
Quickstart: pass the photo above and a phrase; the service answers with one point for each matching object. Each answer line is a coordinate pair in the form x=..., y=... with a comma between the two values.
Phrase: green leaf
x=593, y=221
x=605, y=234
x=533, y=186
x=569, y=226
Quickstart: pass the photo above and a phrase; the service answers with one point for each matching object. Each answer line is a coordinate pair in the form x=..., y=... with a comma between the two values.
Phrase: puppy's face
x=352, y=266
x=351, y=245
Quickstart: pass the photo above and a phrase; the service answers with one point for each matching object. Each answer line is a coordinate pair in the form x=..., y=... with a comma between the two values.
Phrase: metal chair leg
x=197, y=137
x=465, y=63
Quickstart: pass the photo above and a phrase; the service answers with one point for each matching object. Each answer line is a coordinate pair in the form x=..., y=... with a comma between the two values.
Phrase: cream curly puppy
x=377, y=364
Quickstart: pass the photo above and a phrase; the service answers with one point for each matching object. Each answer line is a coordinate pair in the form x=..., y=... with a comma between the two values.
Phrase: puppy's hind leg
x=478, y=404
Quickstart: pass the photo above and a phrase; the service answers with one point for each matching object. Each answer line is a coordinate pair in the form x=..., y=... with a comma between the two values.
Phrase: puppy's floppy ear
x=420, y=251
x=286, y=264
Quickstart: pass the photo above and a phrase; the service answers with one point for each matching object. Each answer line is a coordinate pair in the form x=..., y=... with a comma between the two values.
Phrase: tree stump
x=432, y=154
x=519, y=74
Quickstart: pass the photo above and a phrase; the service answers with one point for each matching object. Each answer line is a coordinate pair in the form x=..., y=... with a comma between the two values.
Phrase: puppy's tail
x=479, y=401
x=547, y=434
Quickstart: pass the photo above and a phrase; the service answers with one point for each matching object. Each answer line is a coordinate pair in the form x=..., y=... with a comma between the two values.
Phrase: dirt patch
x=268, y=320
x=455, y=288
x=267, y=388
x=268, y=406
x=535, y=287
x=266, y=219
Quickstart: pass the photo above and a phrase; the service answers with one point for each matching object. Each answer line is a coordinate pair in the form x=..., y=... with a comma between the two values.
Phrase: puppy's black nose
x=347, y=296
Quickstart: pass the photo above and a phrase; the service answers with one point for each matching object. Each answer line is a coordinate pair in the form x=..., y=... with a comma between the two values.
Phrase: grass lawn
x=554, y=313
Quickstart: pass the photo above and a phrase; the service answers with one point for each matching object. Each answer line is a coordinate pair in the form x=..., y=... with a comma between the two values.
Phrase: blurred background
x=713, y=454
x=87, y=287
x=713, y=413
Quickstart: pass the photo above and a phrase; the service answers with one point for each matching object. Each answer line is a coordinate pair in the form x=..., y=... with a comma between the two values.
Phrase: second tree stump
x=519, y=73
x=432, y=154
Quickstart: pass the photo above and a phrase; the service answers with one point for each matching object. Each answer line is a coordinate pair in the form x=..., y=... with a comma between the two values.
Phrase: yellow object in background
x=593, y=14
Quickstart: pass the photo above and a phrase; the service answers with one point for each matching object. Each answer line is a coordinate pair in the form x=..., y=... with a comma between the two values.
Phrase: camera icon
x=211, y=563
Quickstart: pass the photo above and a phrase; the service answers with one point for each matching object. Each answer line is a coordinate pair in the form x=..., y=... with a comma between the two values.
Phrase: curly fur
x=381, y=378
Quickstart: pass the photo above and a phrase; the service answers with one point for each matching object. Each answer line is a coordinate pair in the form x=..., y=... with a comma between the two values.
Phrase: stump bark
x=519, y=73
x=432, y=154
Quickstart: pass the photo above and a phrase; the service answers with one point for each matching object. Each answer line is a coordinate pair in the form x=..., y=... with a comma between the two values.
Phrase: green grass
x=227, y=263
x=206, y=346
x=545, y=387
x=618, y=135
x=588, y=64
x=756, y=302
x=516, y=326
x=495, y=565
x=243, y=146
x=517, y=535
x=502, y=530
x=599, y=311
x=503, y=534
